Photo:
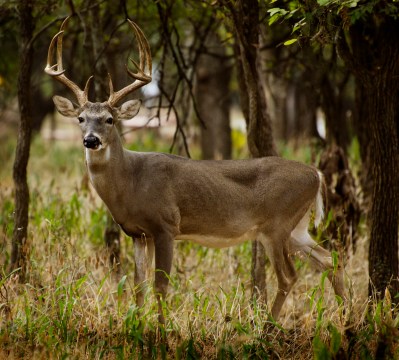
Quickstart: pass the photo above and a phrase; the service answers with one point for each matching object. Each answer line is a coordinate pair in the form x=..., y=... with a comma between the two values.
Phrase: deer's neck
x=105, y=162
x=106, y=168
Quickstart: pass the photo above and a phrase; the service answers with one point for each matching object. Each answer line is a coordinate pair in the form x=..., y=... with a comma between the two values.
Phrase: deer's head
x=97, y=120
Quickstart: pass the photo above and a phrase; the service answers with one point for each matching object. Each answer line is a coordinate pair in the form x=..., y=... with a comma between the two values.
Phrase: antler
x=57, y=71
x=143, y=74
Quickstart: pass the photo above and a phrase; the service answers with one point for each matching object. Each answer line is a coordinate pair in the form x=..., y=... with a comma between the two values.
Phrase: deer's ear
x=128, y=109
x=65, y=107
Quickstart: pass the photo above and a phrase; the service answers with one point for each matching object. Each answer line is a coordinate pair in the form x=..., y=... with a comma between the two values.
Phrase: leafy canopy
x=310, y=17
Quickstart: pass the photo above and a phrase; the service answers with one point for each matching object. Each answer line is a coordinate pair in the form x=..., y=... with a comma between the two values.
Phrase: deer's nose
x=91, y=142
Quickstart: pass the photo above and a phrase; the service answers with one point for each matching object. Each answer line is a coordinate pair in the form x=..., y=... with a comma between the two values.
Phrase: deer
x=157, y=198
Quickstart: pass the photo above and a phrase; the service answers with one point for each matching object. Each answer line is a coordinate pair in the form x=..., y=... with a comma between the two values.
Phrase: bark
x=306, y=103
x=252, y=95
x=112, y=236
x=383, y=252
x=361, y=130
x=19, y=252
x=212, y=95
x=253, y=103
x=326, y=81
x=95, y=44
x=335, y=109
x=341, y=200
x=373, y=60
x=273, y=74
x=292, y=80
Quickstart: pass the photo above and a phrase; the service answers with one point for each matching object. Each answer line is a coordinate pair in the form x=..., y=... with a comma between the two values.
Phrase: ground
x=74, y=305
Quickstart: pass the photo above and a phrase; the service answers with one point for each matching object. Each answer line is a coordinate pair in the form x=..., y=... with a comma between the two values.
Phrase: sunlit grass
x=74, y=305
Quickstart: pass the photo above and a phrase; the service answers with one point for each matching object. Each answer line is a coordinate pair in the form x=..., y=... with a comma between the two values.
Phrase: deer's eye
x=110, y=121
x=80, y=119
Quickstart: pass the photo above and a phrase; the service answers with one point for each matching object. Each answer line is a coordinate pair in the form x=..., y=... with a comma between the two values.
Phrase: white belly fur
x=213, y=241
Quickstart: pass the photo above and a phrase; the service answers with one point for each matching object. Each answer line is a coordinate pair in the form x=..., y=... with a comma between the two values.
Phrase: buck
x=157, y=198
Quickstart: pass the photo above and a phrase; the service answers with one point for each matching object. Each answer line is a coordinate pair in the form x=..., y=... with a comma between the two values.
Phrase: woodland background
x=311, y=80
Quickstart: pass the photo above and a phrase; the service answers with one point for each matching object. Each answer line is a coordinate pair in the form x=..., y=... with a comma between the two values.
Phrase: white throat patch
x=107, y=156
x=98, y=156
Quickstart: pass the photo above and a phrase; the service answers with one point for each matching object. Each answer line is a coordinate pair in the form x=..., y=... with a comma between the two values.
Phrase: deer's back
x=228, y=195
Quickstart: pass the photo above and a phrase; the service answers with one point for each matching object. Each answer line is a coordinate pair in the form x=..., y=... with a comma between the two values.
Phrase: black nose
x=91, y=142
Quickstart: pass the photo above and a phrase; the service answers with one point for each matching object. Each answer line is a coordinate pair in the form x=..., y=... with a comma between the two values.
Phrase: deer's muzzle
x=91, y=142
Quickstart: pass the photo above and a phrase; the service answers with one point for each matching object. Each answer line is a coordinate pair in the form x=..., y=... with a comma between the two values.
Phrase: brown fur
x=157, y=198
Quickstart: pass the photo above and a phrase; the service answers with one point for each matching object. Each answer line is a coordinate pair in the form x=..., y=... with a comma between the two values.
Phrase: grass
x=74, y=306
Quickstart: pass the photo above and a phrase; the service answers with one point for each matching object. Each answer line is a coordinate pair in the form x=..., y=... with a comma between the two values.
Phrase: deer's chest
x=125, y=210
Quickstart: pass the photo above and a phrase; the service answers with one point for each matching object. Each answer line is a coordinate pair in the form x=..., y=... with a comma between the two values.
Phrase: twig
x=137, y=128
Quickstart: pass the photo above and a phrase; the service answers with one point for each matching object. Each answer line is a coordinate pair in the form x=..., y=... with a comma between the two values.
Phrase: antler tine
x=142, y=64
x=143, y=44
x=59, y=43
x=49, y=69
x=144, y=68
x=57, y=70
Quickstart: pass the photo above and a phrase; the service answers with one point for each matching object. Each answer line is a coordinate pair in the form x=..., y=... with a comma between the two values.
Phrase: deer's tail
x=320, y=200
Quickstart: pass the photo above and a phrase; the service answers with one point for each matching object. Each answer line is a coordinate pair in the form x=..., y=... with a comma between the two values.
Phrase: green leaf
x=323, y=2
x=320, y=350
x=120, y=286
x=353, y=3
x=335, y=260
x=378, y=314
x=335, y=342
x=290, y=42
x=277, y=11
x=274, y=18
x=80, y=282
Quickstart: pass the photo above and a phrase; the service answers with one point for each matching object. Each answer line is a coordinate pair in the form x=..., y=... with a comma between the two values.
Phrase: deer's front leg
x=143, y=255
x=163, y=264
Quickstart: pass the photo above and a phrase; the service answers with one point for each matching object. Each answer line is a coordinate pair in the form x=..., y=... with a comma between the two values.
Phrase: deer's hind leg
x=321, y=259
x=163, y=264
x=277, y=251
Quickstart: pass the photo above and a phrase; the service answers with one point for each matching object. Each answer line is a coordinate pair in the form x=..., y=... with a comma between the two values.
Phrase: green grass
x=74, y=306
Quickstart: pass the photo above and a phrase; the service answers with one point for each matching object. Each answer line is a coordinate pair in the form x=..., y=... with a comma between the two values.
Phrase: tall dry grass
x=74, y=305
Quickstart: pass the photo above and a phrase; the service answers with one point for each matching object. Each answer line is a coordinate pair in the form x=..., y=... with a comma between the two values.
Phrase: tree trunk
x=253, y=102
x=212, y=94
x=95, y=44
x=273, y=75
x=383, y=253
x=19, y=252
x=112, y=235
x=373, y=59
x=335, y=109
x=253, y=99
x=306, y=102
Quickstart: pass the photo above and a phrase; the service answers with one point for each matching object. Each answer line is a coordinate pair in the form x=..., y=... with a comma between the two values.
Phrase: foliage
x=311, y=19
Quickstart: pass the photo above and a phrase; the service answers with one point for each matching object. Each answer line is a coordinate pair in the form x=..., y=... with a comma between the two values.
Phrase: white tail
x=157, y=198
x=319, y=206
